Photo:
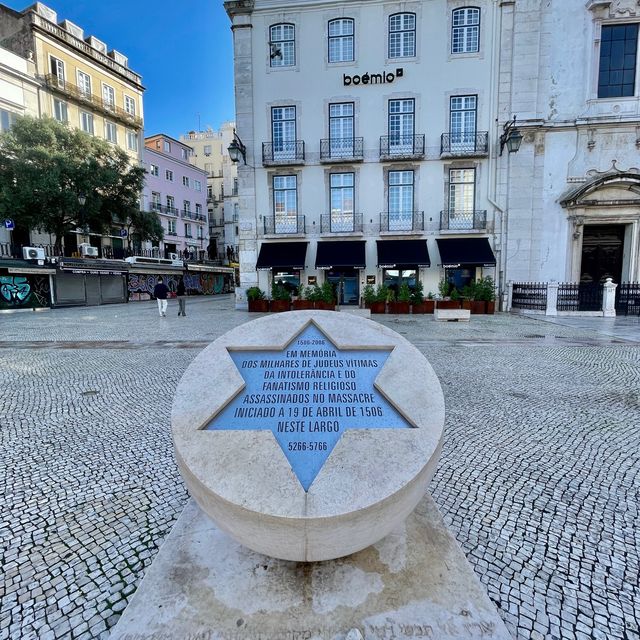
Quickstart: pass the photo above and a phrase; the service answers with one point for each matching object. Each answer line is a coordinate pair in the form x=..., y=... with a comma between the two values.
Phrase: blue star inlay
x=307, y=395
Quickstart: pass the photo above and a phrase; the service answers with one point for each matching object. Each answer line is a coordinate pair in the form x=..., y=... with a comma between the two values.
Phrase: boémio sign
x=372, y=78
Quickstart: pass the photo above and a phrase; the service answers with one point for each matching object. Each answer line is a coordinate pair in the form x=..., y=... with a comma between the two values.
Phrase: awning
x=402, y=253
x=346, y=253
x=471, y=252
x=282, y=254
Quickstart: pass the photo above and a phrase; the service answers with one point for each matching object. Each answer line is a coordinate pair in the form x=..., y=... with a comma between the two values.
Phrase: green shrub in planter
x=369, y=295
x=255, y=293
x=404, y=293
x=417, y=295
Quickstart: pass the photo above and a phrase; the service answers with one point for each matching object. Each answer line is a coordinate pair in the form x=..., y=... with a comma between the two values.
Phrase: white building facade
x=370, y=133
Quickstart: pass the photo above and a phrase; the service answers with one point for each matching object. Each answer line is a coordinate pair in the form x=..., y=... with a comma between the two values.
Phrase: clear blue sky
x=182, y=48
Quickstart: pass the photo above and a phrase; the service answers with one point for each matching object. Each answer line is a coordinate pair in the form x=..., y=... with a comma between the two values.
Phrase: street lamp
x=510, y=137
x=237, y=149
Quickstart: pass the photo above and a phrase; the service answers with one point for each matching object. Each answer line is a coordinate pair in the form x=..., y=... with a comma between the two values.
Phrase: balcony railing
x=285, y=152
x=168, y=211
x=341, y=149
x=190, y=215
x=402, y=221
x=284, y=224
x=401, y=146
x=216, y=222
x=463, y=220
x=67, y=88
x=341, y=223
x=465, y=144
x=173, y=234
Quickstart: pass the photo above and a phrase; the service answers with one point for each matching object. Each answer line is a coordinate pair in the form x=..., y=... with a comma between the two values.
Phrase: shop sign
x=386, y=77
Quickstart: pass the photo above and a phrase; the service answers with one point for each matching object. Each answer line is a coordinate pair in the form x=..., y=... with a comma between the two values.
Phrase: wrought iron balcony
x=451, y=220
x=283, y=223
x=465, y=144
x=190, y=215
x=69, y=89
x=402, y=221
x=173, y=234
x=341, y=149
x=341, y=223
x=284, y=152
x=169, y=211
x=401, y=147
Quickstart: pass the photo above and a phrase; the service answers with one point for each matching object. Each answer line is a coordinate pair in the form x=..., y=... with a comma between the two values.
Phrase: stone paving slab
x=539, y=478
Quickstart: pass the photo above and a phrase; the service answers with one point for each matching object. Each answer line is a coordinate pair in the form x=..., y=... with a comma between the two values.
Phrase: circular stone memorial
x=308, y=435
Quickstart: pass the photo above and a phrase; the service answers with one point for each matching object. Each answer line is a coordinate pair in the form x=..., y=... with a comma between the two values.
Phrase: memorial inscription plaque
x=308, y=394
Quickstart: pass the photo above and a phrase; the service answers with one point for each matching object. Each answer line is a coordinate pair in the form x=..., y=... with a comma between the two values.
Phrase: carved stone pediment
x=614, y=8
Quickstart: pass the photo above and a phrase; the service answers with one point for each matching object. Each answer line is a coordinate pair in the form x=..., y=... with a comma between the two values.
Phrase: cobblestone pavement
x=539, y=478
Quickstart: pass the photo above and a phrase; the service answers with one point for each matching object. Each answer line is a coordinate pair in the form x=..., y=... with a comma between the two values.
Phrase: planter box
x=427, y=306
x=398, y=307
x=260, y=306
x=325, y=306
x=378, y=307
x=491, y=307
x=448, y=304
x=300, y=305
x=478, y=306
x=466, y=304
x=278, y=306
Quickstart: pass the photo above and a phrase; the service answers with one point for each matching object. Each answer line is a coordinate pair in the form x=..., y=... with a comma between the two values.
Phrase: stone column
x=509, y=295
x=609, y=299
x=552, y=298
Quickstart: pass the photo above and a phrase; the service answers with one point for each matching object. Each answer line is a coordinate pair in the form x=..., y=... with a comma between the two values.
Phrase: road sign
x=9, y=224
x=123, y=233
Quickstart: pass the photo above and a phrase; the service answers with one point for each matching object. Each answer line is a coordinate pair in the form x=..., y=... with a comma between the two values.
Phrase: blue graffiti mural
x=141, y=285
x=24, y=292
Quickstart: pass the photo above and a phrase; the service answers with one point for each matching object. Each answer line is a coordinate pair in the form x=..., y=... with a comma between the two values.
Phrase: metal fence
x=628, y=299
x=529, y=295
x=580, y=296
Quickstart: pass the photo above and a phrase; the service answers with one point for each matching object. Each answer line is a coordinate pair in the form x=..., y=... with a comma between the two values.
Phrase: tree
x=46, y=166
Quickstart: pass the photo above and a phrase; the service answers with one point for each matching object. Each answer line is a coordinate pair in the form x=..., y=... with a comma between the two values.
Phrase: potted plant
x=380, y=302
x=487, y=292
x=450, y=297
x=256, y=300
x=468, y=296
x=368, y=295
x=418, y=303
x=327, y=299
x=304, y=299
x=401, y=304
x=280, y=298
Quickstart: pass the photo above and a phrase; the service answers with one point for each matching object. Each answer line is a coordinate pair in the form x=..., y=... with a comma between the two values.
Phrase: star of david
x=307, y=395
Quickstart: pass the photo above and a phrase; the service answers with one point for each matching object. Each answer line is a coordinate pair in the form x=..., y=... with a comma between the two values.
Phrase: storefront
x=283, y=261
x=464, y=259
x=341, y=260
x=400, y=261
x=24, y=285
x=90, y=282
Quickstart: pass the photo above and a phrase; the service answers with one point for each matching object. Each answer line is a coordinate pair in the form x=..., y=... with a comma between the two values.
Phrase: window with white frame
x=401, y=124
x=462, y=196
x=462, y=122
x=168, y=175
x=110, y=132
x=166, y=146
x=198, y=209
x=130, y=105
x=171, y=204
x=154, y=170
x=57, y=71
x=185, y=154
x=465, y=30
x=341, y=129
x=618, y=54
x=207, y=149
x=60, y=110
x=86, y=122
x=156, y=202
x=342, y=199
x=7, y=119
x=341, y=40
x=171, y=227
x=283, y=132
x=84, y=83
x=197, y=185
x=282, y=45
x=132, y=140
x=108, y=96
x=200, y=234
x=402, y=35
x=400, y=199
x=185, y=181
x=187, y=230
x=186, y=206
x=285, y=204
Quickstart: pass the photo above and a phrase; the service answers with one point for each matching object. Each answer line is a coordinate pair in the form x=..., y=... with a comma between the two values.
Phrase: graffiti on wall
x=24, y=292
x=141, y=285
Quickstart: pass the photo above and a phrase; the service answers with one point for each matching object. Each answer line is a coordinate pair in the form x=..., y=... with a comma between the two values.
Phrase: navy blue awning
x=402, y=253
x=467, y=252
x=282, y=254
x=341, y=253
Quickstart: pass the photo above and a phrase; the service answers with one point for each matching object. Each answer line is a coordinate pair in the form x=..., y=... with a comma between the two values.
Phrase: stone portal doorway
x=602, y=249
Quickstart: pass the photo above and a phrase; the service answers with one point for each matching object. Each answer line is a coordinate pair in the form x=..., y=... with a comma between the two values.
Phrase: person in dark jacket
x=181, y=292
x=160, y=293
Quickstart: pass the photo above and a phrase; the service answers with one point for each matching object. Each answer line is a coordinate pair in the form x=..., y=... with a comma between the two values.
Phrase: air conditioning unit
x=173, y=256
x=33, y=253
x=86, y=250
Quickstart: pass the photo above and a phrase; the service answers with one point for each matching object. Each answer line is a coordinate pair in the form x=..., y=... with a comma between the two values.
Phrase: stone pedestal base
x=415, y=583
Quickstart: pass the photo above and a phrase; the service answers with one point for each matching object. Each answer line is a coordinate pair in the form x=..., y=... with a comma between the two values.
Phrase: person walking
x=181, y=292
x=160, y=293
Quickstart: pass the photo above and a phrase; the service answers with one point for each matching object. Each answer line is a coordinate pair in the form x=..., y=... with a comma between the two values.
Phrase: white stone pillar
x=552, y=298
x=609, y=299
x=509, y=295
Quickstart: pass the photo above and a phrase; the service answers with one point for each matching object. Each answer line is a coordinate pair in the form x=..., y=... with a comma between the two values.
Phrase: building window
x=86, y=122
x=200, y=236
x=171, y=204
x=198, y=209
x=108, y=96
x=7, y=120
x=402, y=35
x=462, y=121
x=84, y=83
x=185, y=181
x=465, y=30
x=342, y=199
x=401, y=124
x=185, y=154
x=168, y=175
x=209, y=192
x=155, y=201
x=186, y=206
x=285, y=204
x=130, y=105
x=341, y=40
x=166, y=145
x=400, y=200
x=207, y=149
x=282, y=45
x=60, y=111
x=341, y=129
x=154, y=170
x=187, y=230
x=57, y=71
x=132, y=140
x=197, y=185
x=618, y=52
x=462, y=192
x=111, y=132
x=283, y=132
x=171, y=227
